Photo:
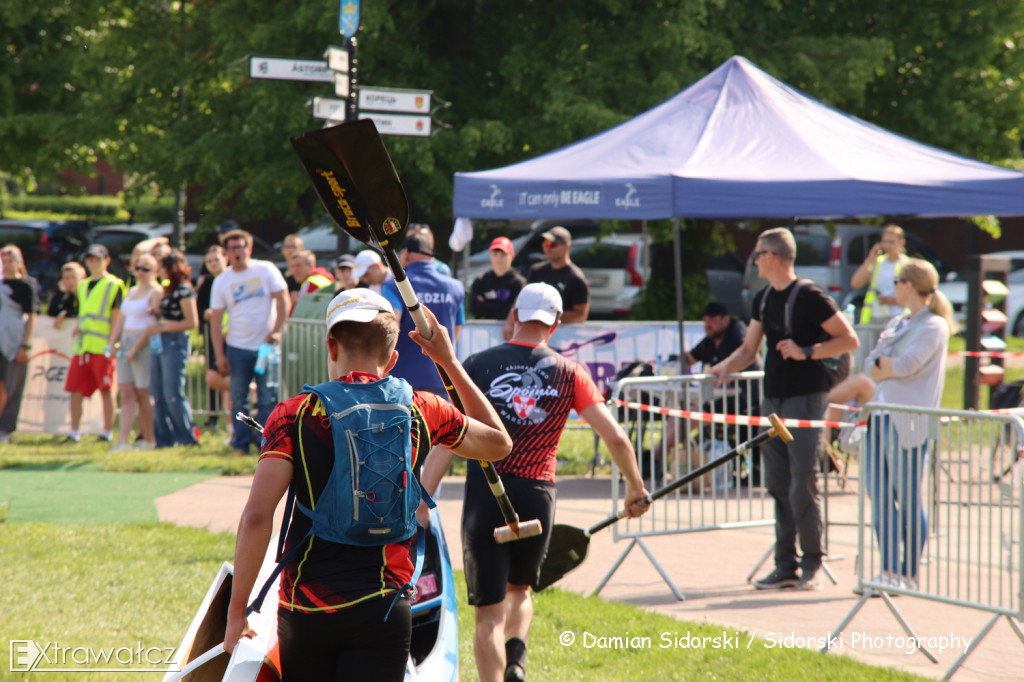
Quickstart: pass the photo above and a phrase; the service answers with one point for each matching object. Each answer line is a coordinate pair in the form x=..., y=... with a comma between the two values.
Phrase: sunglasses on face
x=140, y=268
x=235, y=247
x=551, y=245
x=758, y=254
x=899, y=280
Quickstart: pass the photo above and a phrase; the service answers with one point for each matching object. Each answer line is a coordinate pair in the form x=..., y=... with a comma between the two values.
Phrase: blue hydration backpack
x=372, y=495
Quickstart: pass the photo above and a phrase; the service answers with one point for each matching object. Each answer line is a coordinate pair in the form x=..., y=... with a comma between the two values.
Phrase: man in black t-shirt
x=563, y=275
x=492, y=294
x=795, y=387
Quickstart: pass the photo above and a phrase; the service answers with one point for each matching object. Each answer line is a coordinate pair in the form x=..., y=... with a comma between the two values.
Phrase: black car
x=46, y=245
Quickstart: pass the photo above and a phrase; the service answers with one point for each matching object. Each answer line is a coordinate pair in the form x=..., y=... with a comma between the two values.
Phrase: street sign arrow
x=337, y=59
x=395, y=100
x=399, y=124
x=274, y=68
x=327, y=108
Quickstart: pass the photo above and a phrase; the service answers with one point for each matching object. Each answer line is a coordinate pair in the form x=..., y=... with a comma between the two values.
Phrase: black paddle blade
x=566, y=550
x=356, y=181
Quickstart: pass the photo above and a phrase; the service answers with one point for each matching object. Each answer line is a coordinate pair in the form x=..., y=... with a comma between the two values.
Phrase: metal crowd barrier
x=940, y=514
x=668, y=447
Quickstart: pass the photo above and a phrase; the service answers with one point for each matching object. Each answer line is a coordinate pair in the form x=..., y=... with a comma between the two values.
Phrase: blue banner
x=348, y=19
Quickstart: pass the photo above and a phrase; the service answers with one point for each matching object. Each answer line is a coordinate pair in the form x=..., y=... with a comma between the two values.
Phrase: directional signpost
x=395, y=100
x=275, y=68
x=399, y=124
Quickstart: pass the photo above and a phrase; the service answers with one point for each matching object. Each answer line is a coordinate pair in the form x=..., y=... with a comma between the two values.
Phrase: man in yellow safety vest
x=92, y=367
x=880, y=270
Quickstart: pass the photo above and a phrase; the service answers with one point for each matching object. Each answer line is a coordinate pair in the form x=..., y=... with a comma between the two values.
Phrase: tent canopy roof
x=741, y=144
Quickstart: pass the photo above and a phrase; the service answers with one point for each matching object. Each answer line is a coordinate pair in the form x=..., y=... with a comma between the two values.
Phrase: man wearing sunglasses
x=560, y=272
x=799, y=333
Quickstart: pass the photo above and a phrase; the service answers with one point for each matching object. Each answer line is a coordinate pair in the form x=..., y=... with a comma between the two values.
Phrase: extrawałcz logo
x=28, y=656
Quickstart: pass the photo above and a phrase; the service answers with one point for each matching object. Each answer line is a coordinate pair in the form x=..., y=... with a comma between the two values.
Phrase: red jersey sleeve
x=446, y=424
x=586, y=393
x=280, y=432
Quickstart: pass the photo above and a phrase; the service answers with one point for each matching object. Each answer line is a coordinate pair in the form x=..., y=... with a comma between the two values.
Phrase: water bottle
x=850, y=311
x=156, y=343
x=274, y=367
x=262, y=358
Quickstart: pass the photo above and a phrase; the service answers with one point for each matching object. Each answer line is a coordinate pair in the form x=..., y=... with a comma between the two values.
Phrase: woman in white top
x=908, y=367
x=137, y=313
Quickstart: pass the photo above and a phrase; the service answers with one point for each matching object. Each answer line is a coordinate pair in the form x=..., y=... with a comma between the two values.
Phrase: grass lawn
x=122, y=584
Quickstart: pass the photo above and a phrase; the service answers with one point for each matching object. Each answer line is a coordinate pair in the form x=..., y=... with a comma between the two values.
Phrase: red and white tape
x=989, y=353
x=740, y=420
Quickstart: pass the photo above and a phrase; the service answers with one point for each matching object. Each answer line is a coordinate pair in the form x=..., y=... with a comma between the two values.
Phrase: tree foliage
x=160, y=87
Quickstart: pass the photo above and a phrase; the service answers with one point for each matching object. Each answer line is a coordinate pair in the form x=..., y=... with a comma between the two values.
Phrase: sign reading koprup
x=274, y=68
x=395, y=100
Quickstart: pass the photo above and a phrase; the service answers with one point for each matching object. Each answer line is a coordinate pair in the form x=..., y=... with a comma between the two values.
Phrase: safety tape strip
x=741, y=420
x=989, y=353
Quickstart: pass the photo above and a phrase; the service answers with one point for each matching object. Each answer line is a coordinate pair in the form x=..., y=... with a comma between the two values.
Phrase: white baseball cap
x=364, y=259
x=539, y=302
x=357, y=305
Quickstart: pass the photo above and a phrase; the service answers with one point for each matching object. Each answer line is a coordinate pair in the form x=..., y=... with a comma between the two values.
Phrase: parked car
x=120, y=240
x=725, y=281
x=956, y=291
x=46, y=245
x=616, y=267
x=321, y=238
x=830, y=261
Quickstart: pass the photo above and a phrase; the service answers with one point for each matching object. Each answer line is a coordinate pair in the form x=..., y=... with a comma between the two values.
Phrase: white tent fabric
x=741, y=144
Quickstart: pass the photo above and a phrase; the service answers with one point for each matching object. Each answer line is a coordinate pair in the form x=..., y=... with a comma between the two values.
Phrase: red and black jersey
x=533, y=389
x=328, y=576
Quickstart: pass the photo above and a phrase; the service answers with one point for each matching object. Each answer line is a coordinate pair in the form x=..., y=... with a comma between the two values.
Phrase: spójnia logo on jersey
x=523, y=405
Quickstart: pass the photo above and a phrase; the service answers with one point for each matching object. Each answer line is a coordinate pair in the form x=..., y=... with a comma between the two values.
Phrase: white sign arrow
x=399, y=124
x=290, y=69
x=395, y=100
x=327, y=108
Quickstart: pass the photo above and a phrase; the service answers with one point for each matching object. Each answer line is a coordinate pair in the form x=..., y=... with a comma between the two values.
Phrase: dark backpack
x=837, y=367
x=371, y=496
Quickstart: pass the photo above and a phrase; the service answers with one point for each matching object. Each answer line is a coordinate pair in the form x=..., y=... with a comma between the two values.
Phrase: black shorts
x=353, y=644
x=490, y=567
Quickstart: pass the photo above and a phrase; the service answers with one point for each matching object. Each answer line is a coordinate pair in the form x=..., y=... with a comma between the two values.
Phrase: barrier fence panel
x=668, y=447
x=939, y=517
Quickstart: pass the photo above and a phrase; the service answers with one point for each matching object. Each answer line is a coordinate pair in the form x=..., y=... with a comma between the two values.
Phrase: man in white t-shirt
x=254, y=295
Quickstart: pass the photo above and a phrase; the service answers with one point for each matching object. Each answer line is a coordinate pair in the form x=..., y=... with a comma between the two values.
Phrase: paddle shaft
x=692, y=476
x=423, y=327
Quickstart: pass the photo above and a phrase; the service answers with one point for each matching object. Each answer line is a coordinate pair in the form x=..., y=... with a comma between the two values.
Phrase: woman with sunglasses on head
x=130, y=339
x=908, y=367
x=177, y=315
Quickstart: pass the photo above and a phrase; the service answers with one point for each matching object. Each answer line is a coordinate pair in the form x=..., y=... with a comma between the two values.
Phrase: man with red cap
x=492, y=293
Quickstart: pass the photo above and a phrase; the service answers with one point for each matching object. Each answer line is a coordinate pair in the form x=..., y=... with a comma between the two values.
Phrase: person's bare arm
x=281, y=311
x=578, y=313
x=862, y=275
x=742, y=356
x=843, y=339
x=217, y=339
x=255, y=528
x=623, y=454
x=486, y=437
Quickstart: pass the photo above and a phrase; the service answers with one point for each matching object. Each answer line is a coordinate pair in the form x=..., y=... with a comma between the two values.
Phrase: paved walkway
x=711, y=570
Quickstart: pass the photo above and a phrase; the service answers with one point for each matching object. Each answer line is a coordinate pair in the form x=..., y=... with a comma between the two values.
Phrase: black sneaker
x=104, y=439
x=777, y=580
x=809, y=580
x=71, y=440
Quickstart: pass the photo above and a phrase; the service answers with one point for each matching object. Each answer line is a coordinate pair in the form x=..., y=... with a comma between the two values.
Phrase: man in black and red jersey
x=333, y=597
x=533, y=388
